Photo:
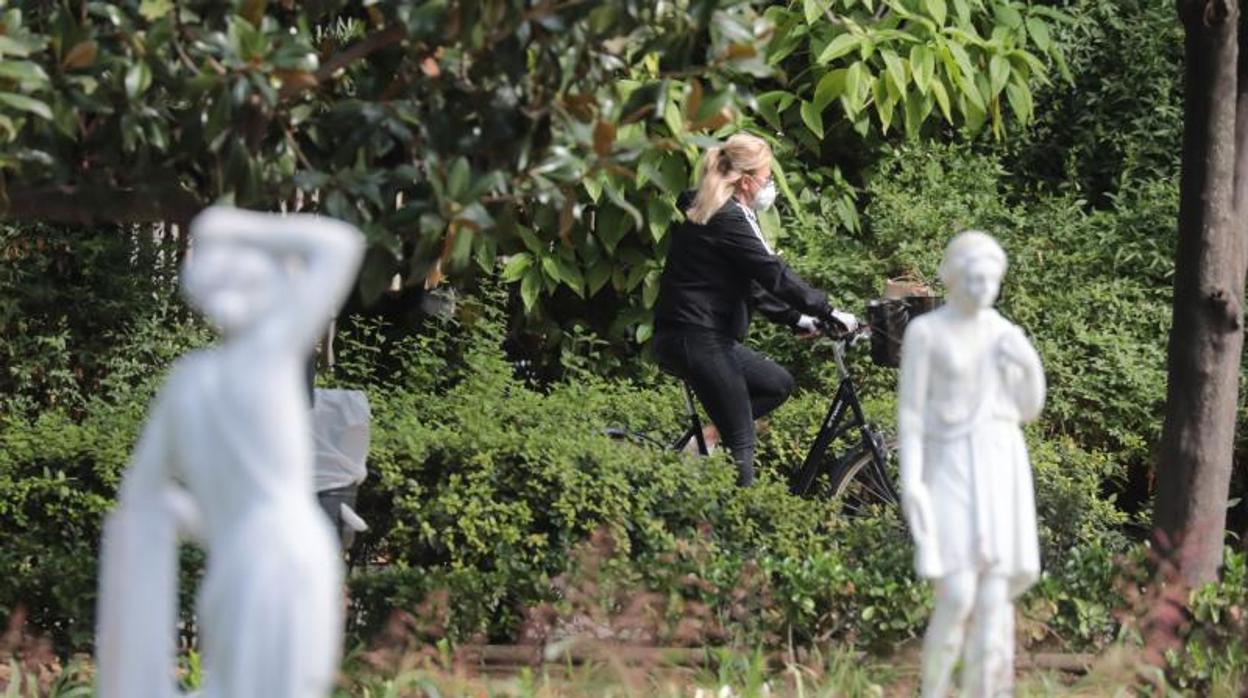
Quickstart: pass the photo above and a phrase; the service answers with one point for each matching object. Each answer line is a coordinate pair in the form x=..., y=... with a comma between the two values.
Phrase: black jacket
x=714, y=271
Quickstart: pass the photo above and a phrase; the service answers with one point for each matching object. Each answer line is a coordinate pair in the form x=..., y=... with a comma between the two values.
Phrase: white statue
x=226, y=456
x=969, y=378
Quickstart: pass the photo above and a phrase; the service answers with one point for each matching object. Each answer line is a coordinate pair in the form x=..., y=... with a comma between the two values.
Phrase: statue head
x=972, y=269
x=230, y=282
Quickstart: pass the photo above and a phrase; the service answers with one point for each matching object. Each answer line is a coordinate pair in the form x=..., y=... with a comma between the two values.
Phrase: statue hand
x=186, y=514
x=918, y=510
x=1014, y=348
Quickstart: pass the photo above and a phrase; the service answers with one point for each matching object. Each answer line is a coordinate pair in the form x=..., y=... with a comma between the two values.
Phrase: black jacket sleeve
x=752, y=260
x=773, y=308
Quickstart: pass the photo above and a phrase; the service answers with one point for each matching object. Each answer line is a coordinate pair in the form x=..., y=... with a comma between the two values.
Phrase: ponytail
x=718, y=181
x=723, y=167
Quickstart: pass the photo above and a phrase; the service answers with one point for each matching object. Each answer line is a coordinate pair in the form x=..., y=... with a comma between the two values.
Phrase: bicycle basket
x=888, y=318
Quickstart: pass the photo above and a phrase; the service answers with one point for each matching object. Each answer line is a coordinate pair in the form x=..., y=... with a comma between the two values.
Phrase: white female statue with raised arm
x=226, y=456
x=969, y=378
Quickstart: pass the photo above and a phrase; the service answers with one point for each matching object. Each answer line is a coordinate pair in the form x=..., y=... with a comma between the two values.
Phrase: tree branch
x=93, y=204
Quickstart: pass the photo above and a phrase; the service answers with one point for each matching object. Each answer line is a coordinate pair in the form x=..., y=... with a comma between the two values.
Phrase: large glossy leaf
x=28, y=104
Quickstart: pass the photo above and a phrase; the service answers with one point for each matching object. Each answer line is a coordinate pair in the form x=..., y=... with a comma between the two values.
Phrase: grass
x=729, y=674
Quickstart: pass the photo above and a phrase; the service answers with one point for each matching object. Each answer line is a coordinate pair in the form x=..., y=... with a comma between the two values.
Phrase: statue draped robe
x=226, y=455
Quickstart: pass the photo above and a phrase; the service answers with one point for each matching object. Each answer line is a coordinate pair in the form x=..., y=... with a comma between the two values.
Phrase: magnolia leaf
x=138, y=78
x=660, y=214
x=80, y=56
x=152, y=10
x=459, y=179
x=593, y=187
x=650, y=291
x=598, y=276
x=23, y=71
x=604, y=138
x=25, y=103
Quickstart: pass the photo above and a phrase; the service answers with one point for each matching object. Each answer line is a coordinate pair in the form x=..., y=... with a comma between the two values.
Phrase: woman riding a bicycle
x=718, y=266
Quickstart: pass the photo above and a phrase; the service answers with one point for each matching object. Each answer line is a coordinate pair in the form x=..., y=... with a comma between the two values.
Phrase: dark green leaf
x=138, y=78
x=25, y=103
x=831, y=86
x=23, y=71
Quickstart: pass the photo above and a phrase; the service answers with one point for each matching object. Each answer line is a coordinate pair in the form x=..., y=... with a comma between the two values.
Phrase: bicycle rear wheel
x=862, y=485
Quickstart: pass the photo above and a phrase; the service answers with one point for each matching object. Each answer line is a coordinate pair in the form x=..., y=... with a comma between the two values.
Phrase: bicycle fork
x=846, y=399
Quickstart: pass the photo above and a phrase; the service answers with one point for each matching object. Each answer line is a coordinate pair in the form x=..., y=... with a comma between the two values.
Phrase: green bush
x=1214, y=645
x=59, y=470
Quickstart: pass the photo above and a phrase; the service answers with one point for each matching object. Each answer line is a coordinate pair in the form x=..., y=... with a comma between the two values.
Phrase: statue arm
x=1029, y=392
x=330, y=251
x=148, y=479
x=137, y=599
x=911, y=404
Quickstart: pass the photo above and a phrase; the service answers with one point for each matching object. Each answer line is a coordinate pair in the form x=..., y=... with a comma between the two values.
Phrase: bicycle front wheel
x=864, y=485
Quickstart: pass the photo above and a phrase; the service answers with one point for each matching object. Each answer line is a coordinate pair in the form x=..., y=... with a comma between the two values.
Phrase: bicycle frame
x=844, y=415
x=694, y=430
x=834, y=425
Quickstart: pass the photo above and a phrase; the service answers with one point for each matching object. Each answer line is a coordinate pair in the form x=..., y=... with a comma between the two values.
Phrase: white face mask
x=765, y=197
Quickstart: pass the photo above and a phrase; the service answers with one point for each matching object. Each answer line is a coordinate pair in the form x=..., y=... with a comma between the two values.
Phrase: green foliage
x=1091, y=288
x=1122, y=122
x=554, y=137
x=69, y=303
x=1214, y=652
x=82, y=344
x=59, y=470
x=901, y=63
x=484, y=488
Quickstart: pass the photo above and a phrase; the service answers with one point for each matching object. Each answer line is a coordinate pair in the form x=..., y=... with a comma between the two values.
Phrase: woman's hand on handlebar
x=807, y=327
x=837, y=324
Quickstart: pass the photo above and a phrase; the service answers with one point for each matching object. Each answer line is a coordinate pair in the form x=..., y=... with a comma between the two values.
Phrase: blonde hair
x=723, y=167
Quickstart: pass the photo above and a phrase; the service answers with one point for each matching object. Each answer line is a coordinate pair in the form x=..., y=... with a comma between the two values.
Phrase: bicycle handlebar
x=850, y=338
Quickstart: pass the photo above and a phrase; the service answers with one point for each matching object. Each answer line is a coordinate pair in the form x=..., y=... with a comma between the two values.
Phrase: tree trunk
x=1206, y=341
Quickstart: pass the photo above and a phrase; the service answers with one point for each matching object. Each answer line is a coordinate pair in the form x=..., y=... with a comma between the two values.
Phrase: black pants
x=736, y=385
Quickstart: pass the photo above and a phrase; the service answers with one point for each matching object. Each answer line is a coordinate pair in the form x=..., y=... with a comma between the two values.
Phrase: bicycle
x=862, y=475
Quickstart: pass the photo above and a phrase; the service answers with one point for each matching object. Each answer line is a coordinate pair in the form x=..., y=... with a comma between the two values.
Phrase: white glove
x=807, y=323
x=847, y=319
